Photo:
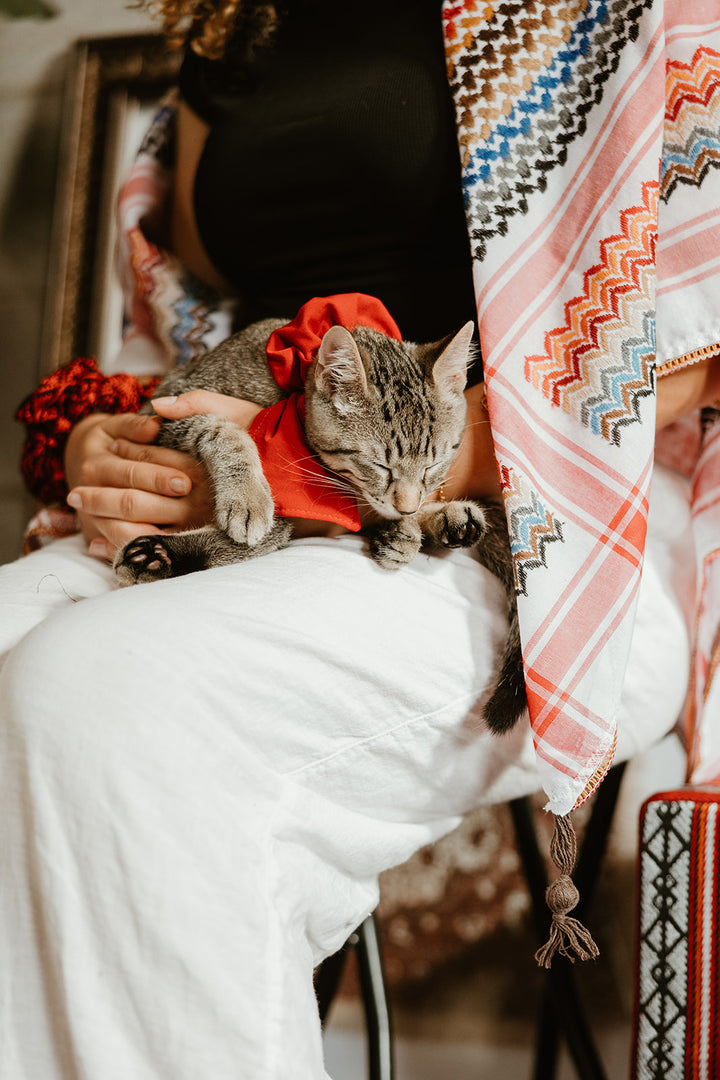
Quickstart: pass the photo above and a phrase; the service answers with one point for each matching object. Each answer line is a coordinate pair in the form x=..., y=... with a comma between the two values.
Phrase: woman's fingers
x=154, y=455
x=139, y=427
x=128, y=504
x=129, y=465
x=196, y=402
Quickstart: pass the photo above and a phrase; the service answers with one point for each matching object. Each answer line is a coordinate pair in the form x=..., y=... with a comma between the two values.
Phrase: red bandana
x=300, y=484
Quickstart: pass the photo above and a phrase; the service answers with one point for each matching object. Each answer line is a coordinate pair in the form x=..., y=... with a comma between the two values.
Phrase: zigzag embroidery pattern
x=602, y=362
x=461, y=20
x=192, y=325
x=691, y=143
x=523, y=86
x=531, y=527
x=182, y=306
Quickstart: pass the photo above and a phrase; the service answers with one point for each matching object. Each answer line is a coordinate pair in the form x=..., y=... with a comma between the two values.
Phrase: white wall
x=33, y=62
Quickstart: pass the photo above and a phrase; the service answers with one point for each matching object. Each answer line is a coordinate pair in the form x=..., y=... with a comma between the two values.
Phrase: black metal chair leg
x=375, y=1001
x=561, y=1011
x=366, y=942
x=547, y=1040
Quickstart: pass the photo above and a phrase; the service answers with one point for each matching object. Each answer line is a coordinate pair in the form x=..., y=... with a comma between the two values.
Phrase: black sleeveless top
x=332, y=165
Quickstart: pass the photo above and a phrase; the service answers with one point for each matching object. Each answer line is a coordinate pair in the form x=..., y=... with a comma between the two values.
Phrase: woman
x=202, y=780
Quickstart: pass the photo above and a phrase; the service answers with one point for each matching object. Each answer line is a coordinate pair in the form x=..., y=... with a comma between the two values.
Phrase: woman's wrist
x=686, y=389
x=474, y=473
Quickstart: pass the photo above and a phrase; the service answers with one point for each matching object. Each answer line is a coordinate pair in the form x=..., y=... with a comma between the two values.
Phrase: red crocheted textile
x=65, y=396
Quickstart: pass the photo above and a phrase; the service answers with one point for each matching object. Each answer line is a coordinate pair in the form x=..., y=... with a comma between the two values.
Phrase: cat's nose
x=407, y=499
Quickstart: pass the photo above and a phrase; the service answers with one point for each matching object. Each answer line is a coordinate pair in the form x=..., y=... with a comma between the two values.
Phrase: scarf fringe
x=568, y=936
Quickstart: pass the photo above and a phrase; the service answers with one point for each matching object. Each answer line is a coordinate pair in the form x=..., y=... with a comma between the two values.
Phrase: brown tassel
x=568, y=936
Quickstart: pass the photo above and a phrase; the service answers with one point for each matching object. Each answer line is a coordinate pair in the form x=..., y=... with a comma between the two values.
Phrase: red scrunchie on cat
x=301, y=486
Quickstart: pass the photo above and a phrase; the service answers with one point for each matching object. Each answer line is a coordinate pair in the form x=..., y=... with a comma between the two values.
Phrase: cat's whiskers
x=315, y=479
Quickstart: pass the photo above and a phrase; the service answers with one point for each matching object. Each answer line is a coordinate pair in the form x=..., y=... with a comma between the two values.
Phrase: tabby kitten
x=384, y=417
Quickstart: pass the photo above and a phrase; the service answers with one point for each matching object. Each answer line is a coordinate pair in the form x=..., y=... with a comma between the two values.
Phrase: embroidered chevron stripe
x=601, y=363
x=489, y=90
x=517, y=119
x=460, y=22
x=692, y=121
x=190, y=330
x=531, y=527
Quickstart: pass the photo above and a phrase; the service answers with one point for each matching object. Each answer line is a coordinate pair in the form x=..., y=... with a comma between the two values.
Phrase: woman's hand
x=124, y=486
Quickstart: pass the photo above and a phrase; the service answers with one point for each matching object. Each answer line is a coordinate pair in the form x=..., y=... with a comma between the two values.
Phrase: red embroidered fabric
x=49, y=413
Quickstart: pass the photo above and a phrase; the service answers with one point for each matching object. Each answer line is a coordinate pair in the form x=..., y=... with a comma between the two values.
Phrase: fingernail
x=164, y=401
x=74, y=500
x=180, y=485
x=114, y=447
x=100, y=549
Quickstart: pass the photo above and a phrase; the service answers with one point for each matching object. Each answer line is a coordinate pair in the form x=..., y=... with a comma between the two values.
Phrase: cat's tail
x=508, y=700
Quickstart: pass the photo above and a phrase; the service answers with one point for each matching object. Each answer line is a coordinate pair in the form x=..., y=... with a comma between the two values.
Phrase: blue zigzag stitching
x=672, y=157
x=538, y=98
x=522, y=520
x=676, y=156
x=525, y=147
x=188, y=328
x=635, y=354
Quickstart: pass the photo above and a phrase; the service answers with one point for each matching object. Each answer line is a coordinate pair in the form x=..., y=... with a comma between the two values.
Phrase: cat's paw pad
x=144, y=559
x=247, y=520
x=456, y=524
x=395, y=544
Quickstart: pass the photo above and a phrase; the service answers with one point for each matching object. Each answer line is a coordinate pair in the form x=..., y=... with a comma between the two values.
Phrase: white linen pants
x=201, y=779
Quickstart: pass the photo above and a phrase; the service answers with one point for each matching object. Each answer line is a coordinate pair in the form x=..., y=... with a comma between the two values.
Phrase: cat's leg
x=452, y=524
x=243, y=501
x=151, y=558
x=395, y=543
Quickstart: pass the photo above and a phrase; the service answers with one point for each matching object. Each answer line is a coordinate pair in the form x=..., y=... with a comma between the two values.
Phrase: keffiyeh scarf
x=590, y=143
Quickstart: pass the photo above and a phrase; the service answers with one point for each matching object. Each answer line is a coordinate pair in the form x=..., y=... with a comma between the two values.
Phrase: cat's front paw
x=146, y=558
x=247, y=516
x=453, y=524
x=395, y=543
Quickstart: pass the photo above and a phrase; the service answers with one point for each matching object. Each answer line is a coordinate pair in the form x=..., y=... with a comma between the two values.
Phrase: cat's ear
x=339, y=370
x=449, y=372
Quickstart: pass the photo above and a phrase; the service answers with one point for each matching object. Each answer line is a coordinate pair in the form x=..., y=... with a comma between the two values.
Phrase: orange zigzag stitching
x=612, y=289
x=459, y=20
x=704, y=75
x=693, y=110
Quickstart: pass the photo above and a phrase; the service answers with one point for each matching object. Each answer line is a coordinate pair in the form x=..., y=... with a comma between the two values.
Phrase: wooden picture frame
x=114, y=83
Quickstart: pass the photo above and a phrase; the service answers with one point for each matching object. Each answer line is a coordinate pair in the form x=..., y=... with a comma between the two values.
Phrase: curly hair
x=209, y=26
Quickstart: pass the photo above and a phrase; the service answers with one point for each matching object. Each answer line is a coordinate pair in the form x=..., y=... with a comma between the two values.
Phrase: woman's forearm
x=474, y=473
